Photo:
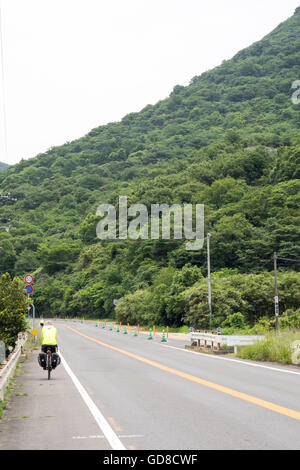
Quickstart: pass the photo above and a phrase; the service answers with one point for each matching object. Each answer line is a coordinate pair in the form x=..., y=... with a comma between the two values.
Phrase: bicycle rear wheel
x=49, y=367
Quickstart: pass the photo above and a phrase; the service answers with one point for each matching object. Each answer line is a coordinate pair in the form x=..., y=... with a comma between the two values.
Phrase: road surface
x=117, y=391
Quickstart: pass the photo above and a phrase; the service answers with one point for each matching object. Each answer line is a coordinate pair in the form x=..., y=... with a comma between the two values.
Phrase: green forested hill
x=3, y=166
x=229, y=140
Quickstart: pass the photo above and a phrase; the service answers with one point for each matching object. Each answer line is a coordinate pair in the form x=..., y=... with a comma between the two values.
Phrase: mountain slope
x=3, y=166
x=229, y=140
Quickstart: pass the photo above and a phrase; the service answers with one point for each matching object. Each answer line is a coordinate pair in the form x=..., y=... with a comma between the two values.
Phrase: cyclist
x=49, y=342
x=49, y=338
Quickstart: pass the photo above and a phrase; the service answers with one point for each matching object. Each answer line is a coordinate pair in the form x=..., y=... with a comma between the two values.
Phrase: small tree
x=235, y=320
x=13, y=304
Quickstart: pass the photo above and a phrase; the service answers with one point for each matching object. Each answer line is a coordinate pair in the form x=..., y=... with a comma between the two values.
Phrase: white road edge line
x=236, y=361
x=98, y=436
x=108, y=432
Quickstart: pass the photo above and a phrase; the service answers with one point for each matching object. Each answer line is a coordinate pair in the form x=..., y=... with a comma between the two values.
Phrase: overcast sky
x=72, y=65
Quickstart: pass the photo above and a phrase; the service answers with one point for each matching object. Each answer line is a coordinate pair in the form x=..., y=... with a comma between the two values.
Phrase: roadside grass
x=32, y=343
x=182, y=329
x=3, y=404
x=277, y=347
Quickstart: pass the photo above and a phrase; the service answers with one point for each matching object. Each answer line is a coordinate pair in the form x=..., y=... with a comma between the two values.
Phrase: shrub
x=13, y=304
x=276, y=348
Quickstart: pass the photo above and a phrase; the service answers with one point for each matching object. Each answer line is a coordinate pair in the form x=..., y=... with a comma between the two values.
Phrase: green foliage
x=277, y=347
x=3, y=166
x=162, y=302
x=57, y=256
x=13, y=304
x=252, y=295
x=235, y=320
x=229, y=140
x=290, y=319
x=7, y=254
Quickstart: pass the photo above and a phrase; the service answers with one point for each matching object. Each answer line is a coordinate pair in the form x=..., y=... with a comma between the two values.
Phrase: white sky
x=72, y=65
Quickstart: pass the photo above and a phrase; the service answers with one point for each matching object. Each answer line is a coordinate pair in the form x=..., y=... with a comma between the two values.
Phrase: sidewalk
x=47, y=414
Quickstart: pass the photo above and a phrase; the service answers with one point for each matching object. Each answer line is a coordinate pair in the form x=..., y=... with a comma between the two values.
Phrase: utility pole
x=28, y=311
x=276, y=293
x=209, y=281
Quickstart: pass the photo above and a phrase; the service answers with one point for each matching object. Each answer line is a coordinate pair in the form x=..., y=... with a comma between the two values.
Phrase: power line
x=289, y=259
x=3, y=86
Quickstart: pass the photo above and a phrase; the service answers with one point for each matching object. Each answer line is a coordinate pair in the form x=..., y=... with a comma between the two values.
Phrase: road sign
x=28, y=279
x=29, y=289
x=115, y=301
x=34, y=332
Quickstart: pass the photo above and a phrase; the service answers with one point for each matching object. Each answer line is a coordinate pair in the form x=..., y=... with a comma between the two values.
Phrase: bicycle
x=48, y=359
x=49, y=362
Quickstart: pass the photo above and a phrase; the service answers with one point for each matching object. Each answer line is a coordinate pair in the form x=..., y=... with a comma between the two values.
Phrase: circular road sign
x=28, y=279
x=34, y=332
x=29, y=289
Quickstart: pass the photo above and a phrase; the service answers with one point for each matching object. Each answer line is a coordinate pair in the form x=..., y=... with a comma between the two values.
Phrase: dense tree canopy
x=229, y=140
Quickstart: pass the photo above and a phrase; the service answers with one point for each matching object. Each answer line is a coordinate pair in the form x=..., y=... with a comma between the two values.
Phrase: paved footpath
x=47, y=414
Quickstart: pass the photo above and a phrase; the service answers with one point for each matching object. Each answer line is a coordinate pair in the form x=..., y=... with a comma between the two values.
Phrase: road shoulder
x=47, y=414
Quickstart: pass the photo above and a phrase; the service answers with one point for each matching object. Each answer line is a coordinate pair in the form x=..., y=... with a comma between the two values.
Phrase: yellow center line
x=229, y=391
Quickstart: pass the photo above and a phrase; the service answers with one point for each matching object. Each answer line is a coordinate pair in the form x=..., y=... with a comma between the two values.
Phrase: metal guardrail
x=218, y=339
x=9, y=367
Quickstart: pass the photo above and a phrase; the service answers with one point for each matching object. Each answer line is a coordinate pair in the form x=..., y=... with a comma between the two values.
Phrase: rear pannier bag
x=42, y=358
x=55, y=360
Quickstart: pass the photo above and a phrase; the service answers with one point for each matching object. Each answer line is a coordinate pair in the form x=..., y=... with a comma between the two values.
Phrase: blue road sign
x=29, y=289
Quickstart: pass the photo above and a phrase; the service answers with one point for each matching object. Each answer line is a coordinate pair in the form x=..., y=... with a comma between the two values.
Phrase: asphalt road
x=120, y=391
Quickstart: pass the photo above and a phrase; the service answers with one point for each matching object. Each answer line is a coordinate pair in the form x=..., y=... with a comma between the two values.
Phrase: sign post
x=29, y=290
x=276, y=294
